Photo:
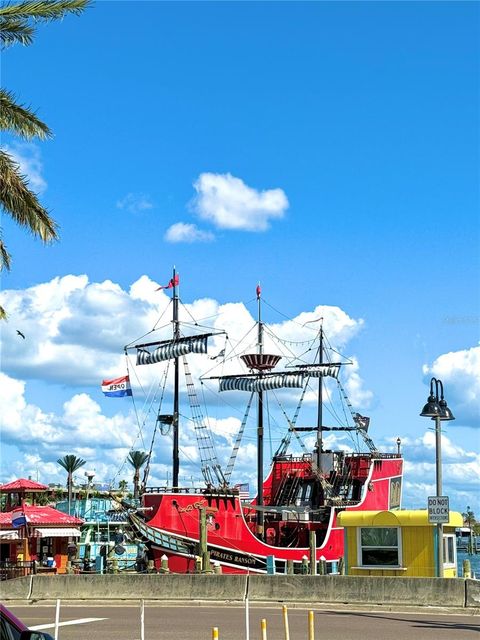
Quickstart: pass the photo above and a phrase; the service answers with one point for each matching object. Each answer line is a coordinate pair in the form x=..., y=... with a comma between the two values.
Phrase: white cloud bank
x=460, y=373
x=228, y=203
x=75, y=331
x=461, y=472
x=42, y=437
x=185, y=232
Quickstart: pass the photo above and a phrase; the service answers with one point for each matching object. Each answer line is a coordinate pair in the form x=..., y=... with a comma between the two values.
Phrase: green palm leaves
x=71, y=464
x=137, y=459
x=18, y=21
x=17, y=26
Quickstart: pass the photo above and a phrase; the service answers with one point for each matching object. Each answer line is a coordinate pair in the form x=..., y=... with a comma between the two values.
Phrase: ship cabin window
x=305, y=494
x=449, y=550
x=379, y=547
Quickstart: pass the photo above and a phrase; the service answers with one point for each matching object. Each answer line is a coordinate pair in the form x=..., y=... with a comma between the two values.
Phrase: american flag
x=243, y=490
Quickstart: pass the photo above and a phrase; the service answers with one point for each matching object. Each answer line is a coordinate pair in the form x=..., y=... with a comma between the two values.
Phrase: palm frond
x=4, y=257
x=13, y=30
x=20, y=119
x=21, y=203
x=137, y=459
x=44, y=10
x=3, y=313
x=71, y=463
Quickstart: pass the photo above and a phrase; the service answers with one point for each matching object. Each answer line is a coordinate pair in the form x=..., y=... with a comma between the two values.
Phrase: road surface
x=122, y=622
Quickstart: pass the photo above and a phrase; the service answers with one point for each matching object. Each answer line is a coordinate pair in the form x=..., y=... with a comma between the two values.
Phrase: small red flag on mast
x=259, y=291
x=174, y=282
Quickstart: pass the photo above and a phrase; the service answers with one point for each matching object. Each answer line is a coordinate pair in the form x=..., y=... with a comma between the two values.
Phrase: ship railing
x=197, y=491
x=290, y=457
x=374, y=455
x=165, y=540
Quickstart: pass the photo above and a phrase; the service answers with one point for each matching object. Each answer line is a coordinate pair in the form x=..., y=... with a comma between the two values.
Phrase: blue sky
x=341, y=140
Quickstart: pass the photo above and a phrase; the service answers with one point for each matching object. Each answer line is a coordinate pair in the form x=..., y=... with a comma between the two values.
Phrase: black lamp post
x=399, y=442
x=470, y=533
x=437, y=409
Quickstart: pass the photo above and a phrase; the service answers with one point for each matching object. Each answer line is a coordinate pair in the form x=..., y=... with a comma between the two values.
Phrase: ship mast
x=320, y=404
x=176, y=336
x=260, y=514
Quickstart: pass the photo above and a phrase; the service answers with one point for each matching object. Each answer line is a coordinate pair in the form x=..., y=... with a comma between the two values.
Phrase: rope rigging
x=238, y=440
x=206, y=444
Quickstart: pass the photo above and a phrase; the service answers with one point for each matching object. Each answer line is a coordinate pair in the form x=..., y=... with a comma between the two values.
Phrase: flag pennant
x=259, y=291
x=174, y=282
x=243, y=490
x=219, y=355
x=117, y=387
x=19, y=519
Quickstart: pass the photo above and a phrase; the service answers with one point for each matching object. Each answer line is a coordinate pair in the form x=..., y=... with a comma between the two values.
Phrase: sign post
x=438, y=514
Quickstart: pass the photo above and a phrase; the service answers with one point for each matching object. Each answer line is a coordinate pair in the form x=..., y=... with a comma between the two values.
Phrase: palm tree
x=123, y=486
x=137, y=459
x=17, y=26
x=71, y=464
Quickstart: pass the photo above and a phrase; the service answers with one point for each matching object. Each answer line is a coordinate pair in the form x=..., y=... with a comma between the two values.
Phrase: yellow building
x=397, y=543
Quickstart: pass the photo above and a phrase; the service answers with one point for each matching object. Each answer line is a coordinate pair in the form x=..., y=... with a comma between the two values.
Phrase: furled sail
x=277, y=380
x=172, y=349
x=330, y=370
x=263, y=383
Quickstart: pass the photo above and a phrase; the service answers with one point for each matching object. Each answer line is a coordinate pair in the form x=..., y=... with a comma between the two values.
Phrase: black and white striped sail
x=321, y=371
x=263, y=383
x=277, y=380
x=172, y=349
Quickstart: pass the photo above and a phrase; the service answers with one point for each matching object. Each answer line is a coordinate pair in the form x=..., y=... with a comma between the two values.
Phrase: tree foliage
x=137, y=459
x=18, y=22
x=71, y=464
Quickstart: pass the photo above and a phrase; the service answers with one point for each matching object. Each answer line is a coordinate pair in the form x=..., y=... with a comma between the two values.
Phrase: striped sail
x=265, y=383
x=172, y=350
x=330, y=370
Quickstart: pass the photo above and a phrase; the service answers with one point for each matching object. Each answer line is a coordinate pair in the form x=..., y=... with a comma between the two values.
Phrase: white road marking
x=40, y=627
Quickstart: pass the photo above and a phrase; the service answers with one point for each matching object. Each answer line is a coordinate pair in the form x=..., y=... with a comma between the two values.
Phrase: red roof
x=41, y=516
x=22, y=485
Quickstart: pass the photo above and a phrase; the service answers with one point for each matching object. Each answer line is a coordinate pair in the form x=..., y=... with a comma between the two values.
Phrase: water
x=474, y=563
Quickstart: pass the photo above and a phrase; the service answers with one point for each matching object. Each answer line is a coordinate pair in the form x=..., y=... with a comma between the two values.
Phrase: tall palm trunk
x=136, y=484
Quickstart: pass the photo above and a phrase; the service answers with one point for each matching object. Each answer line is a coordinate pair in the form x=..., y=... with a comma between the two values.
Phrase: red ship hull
x=172, y=519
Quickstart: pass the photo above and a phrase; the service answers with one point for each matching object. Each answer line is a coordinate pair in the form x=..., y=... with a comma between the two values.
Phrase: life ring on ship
x=271, y=537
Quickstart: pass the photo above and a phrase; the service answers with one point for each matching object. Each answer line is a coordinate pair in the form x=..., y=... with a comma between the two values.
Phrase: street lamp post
x=470, y=532
x=437, y=409
x=399, y=442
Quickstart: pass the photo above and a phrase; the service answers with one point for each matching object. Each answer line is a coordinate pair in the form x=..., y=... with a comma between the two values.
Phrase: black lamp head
x=432, y=408
x=445, y=413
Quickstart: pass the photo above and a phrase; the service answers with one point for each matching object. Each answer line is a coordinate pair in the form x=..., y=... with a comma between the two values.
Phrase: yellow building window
x=449, y=551
x=379, y=547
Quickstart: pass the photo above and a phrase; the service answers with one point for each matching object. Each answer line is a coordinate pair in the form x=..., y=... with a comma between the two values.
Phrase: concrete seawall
x=433, y=592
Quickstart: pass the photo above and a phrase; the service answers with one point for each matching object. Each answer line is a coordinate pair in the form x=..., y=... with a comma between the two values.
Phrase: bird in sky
x=20, y=334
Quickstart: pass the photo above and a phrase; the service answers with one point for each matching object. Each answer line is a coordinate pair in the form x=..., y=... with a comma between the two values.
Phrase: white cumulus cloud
x=228, y=203
x=42, y=437
x=185, y=232
x=461, y=472
x=460, y=373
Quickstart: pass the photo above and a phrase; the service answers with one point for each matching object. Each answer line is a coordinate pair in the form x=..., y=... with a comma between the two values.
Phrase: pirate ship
x=298, y=500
